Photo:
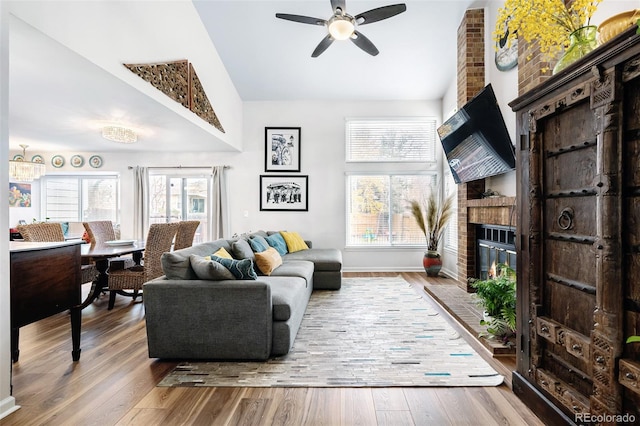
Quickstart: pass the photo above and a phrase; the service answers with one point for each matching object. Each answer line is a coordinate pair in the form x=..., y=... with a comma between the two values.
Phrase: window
x=80, y=198
x=389, y=162
x=181, y=194
x=451, y=233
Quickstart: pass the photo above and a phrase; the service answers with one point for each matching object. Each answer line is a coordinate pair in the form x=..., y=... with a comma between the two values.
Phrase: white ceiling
x=67, y=79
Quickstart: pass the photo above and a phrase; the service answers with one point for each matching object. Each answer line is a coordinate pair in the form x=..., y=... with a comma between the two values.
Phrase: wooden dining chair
x=101, y=231
x=52, y=232
x=159, y=240
x=185, y=234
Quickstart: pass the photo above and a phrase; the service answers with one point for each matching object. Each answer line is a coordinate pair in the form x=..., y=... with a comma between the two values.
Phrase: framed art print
x=284, y=193
x=282, y=149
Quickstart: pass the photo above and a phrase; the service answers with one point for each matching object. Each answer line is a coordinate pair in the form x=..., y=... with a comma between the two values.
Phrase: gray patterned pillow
x=209, y=269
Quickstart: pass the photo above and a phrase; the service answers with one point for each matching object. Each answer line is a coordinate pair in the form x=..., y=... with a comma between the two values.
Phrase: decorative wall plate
x=95, y=161
x=18, y=157
x=37, y=159
x=57, y=161
x=77, y=161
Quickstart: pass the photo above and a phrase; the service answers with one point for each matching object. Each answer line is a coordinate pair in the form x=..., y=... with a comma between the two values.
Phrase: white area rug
x=374, y=332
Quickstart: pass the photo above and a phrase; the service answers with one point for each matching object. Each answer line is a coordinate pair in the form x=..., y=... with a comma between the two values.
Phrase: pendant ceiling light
x=21, y=170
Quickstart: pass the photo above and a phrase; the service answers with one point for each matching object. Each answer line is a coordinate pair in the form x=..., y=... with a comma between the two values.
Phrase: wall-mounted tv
x=476, y=141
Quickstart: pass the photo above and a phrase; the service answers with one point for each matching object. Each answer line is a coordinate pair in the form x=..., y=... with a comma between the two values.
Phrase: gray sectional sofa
x=191, y=318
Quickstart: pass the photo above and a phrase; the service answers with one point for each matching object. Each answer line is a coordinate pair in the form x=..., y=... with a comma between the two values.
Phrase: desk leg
x=100, y=283
x=137, y=257
x=76, y=325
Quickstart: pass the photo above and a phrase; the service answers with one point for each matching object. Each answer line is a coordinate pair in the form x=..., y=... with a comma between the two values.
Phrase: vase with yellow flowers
x=557, y=26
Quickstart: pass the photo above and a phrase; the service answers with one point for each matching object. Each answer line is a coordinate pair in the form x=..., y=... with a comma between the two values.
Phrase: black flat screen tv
x=475, y=140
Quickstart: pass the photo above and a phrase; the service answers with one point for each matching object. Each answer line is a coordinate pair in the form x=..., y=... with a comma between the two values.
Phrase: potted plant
x=498, y=298
x=432, y=222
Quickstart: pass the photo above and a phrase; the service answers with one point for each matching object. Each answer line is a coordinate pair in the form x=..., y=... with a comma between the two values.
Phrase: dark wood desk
x=45, y=280
x=100, y=254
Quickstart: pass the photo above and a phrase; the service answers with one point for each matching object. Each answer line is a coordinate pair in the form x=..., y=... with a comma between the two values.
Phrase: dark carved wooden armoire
x=578, y=240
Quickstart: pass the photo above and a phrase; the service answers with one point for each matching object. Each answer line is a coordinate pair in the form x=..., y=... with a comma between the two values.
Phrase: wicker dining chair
x=101, y=231
x=52, y=232
x=185, y=234
x=159, y=240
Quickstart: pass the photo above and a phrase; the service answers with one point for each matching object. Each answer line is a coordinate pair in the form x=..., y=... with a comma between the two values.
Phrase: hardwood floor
x=114, y=383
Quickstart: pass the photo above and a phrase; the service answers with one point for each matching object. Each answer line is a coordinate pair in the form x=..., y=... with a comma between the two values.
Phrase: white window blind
x=80, y=198
x=391, y=140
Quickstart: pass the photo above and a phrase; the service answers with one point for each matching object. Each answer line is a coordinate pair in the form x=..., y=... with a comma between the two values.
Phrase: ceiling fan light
x=341, y=29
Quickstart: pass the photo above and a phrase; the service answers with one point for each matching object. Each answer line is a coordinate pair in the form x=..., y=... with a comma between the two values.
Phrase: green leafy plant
x=433, y=220
x=633, y=339
x=497, y=296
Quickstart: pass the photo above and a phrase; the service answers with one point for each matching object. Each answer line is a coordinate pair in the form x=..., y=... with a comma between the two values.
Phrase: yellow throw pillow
x=268, y=260
x=223, y=253
x=294, y=241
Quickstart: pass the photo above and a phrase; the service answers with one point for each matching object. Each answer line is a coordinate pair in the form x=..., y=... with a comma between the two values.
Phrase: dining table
x=101, y=254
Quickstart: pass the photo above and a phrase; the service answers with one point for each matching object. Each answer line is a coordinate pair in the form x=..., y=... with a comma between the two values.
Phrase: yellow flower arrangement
x=550, y=22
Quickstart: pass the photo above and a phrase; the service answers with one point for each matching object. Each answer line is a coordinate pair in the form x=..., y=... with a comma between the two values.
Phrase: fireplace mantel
x=492, y=211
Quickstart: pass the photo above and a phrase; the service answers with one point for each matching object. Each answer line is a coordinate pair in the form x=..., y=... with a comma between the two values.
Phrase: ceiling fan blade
x=380, y=13
x=335, y=4
x=324, y=44
x=301, y=19
x=364, y=43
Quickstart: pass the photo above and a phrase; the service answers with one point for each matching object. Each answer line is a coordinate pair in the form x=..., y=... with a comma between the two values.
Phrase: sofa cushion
x=277, y=242
x=176, y=264
x=294, y=241
x=288, y=294
x=241, y=269
x=268, y=260
x=295, y=268
x=323, y=259
x=258, y=244
x=209, y=270
x=242, y=250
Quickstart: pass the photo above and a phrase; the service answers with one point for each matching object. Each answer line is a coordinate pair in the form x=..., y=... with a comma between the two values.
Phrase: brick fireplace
x=473, y=210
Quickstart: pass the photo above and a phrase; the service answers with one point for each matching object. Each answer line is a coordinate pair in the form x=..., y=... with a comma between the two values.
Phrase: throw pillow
x=209, y=269
x=294, y=241
x=268, y=260
x=276, y=241
x=222, y=252
x=242, y=250
x=241, y=269
x=258, y=243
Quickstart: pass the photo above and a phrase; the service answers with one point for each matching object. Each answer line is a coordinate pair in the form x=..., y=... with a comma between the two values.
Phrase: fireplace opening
x=494, y=245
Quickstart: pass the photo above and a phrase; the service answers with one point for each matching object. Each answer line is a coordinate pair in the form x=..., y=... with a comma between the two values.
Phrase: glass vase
x=582, y=41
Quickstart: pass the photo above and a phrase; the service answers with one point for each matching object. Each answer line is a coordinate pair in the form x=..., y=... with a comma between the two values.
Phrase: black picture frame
x=282, y=149
x=284, y=193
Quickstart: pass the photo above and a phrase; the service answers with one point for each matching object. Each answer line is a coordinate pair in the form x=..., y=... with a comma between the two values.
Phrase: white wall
x=7, y=402
x=323, y=160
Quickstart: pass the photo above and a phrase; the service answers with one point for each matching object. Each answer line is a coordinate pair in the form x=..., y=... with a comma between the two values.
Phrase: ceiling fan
x=342, y=26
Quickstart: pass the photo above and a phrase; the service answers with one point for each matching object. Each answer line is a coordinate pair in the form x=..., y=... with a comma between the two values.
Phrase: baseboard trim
x=8, y=406
x=538, y=402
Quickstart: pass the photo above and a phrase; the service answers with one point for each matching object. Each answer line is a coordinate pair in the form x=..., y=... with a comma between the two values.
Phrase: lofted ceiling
x=67, y=79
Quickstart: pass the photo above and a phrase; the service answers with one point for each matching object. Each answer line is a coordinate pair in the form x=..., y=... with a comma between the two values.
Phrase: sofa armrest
x=196, y=319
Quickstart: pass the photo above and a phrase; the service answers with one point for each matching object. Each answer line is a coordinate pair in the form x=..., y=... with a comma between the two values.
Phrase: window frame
x=387, y=168
x=80, y=177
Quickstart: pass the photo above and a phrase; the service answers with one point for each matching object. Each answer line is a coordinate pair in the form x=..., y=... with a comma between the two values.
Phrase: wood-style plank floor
x=114, y=383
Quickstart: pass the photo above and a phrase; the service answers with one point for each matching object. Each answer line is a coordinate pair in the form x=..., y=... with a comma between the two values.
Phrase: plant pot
x=432, y=263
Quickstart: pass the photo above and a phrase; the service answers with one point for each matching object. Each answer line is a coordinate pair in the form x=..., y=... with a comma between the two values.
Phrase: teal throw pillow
x=277, y=242
x=241, y=269
x=258, y=244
